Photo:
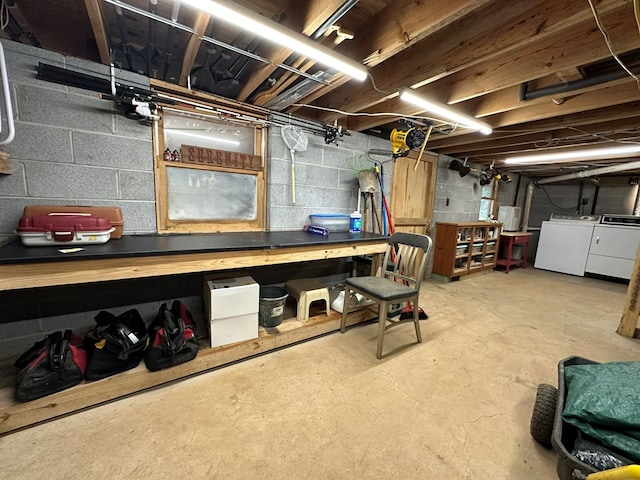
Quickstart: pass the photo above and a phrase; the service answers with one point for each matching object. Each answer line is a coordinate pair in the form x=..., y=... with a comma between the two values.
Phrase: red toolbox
x=114, y=214
x=64, y=229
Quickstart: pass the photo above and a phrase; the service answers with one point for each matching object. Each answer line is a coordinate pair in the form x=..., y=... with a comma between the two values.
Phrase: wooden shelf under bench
x=16, y=416
x=142, y=257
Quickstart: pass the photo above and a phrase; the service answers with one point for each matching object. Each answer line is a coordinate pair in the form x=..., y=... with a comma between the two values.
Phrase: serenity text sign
x=220, y=158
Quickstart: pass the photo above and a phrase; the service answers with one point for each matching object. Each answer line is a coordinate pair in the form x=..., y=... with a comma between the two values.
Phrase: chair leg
x=416, y=319
x=382, y=323
x=345, y=308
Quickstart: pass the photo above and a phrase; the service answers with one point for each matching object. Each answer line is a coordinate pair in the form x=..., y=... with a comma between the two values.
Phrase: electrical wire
x=4, y=15
x=373, y=83
x=608, y=41
x=604, y=137
x=365, y=114
x=572, y=209
x=636, y=12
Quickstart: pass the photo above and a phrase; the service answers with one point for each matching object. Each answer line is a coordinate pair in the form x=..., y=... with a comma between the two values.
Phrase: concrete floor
x=456, y=407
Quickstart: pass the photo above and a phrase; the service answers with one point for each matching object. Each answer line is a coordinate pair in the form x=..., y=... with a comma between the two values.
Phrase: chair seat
x=381, y=288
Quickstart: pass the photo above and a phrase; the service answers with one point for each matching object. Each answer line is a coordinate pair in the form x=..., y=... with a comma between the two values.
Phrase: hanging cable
x=604, y=137
x=572, y=209
x=373, y=83
x=608, y=42
x=364, y=114
x=4, y=15
x=636, y=12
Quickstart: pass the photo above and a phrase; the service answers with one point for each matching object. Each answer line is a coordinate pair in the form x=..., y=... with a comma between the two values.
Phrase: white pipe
x=590, y=173
x=7, y=98
x=527, y=207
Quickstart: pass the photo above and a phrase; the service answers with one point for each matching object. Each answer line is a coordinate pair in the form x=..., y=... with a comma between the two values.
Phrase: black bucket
x=272, y=306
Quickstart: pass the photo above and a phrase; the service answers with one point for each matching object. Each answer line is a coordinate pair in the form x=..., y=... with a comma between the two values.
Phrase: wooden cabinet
x=464, y=248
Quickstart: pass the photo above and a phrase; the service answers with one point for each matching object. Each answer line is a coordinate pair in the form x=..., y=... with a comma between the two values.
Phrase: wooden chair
x=397, y=281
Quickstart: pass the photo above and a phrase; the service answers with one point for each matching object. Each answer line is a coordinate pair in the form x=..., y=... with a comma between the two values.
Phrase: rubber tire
x=544, y=412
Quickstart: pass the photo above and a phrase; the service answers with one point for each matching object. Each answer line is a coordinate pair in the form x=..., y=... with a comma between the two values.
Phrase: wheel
x=544, y=412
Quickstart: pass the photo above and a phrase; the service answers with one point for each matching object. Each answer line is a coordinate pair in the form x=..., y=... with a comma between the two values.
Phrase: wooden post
x=629, y=319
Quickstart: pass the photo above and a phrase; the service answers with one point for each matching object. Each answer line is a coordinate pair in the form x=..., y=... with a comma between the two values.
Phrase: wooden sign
x=220, y=158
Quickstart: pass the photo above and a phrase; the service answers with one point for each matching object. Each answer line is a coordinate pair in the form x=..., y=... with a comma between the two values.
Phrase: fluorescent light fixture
x=444, y=111
x=204, y=136
x=251, y=21
x=553, y=157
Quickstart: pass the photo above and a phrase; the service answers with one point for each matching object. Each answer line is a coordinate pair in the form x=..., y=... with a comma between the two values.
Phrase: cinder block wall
x=73, y=148
x=325, y=177
x=457, y=199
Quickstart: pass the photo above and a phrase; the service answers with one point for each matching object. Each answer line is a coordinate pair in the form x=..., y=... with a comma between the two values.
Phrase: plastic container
x=334, y=222
x=114, y=214
x=271, y=310
x=63, y=229
x=355, y=222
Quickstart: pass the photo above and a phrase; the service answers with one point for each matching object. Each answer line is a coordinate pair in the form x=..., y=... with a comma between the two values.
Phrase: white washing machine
x=564, y=243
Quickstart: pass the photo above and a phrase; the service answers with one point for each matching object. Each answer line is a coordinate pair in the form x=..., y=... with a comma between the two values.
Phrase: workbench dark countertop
x=176, y=244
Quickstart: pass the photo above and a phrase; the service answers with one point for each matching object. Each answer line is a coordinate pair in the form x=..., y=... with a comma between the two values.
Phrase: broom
x=407, y=312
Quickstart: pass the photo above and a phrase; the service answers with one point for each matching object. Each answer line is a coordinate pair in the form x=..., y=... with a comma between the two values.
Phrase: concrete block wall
x=325, y=177
x=616, y=195
x=73, y=148
x=457, y=199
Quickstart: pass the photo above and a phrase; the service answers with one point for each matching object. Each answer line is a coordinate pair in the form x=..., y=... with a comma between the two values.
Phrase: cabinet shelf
x=480, y=239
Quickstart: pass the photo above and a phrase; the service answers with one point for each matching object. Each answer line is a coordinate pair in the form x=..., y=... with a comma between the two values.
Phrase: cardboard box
x=232, y=306
x=223, y=331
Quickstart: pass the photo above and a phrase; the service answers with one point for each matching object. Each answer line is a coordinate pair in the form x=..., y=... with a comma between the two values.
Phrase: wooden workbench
x=148, y=256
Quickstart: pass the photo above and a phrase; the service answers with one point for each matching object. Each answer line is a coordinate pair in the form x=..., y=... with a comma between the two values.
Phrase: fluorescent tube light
x=251, y=21
x=553, y=157
x=444, y=111
x=204, y=136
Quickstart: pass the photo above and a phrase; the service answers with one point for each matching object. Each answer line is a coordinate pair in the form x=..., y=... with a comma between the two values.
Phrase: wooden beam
x=506, y=140
x=572, y=47
x=193, y=45
x=580, y=44
x=306, y=20
x=506, y=26
x=631, y=310
x=99, y=33
x=395, y=28
x=288, y=78
x=403, y=23
x=622, y=112
x=605, y=97
x=508, y=99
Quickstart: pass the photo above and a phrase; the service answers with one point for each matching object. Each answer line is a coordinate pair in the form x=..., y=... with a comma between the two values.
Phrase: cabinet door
x=611, y=241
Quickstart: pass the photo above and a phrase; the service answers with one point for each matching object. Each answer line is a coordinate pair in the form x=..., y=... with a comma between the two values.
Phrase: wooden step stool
x=305, y=291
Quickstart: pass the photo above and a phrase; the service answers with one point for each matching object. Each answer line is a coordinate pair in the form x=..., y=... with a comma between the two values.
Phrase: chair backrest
x=407, y=257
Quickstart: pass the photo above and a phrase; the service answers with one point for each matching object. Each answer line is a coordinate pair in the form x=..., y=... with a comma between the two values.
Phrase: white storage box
x=334, y=222
x=232, y=306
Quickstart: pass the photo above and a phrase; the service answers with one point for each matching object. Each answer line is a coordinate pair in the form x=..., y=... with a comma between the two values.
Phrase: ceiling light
x=204, y=135
x=444, y=111
x=553, y=157
x=251, y=21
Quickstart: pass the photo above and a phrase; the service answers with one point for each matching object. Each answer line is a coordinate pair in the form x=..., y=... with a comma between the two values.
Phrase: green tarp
x=603, y=401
